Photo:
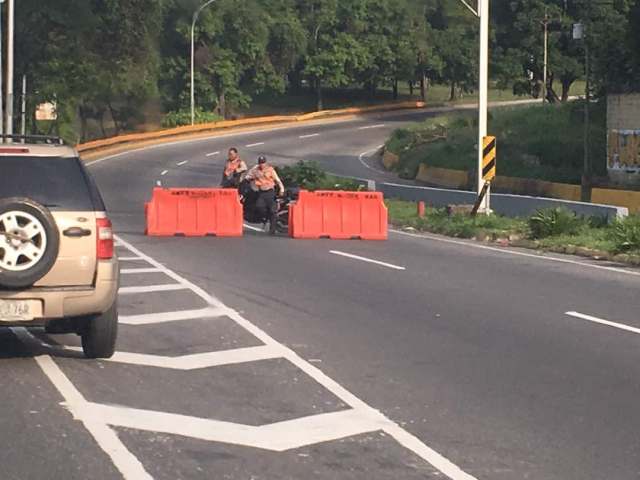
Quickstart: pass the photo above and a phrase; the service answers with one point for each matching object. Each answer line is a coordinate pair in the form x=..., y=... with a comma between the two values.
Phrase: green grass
x=587, y=233
x=541, y=142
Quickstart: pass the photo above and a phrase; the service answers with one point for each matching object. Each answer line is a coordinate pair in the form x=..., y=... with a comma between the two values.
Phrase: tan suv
x=57, y=264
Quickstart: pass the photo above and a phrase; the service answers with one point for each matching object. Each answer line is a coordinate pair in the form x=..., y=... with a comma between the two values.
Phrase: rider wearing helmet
x=233, y=170
x=264, y=178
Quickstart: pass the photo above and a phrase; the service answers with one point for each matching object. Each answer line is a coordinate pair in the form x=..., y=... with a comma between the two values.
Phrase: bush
x=555, y=221
x=183, y=117
x=625, y=234
x=302, y=174
x=310, y=176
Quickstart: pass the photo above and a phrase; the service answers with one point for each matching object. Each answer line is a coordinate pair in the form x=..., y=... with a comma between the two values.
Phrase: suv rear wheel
x=99, y=334
x=29, y=242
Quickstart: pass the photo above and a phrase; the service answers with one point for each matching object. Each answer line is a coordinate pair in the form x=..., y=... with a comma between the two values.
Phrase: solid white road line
x=184, y=162
x=199, y=360
x=255, y=229
x=254, y=145
x=275, y=437
x=505, y=251
x=151, y=289
x=589, y=318
x=164, y=172
x=129, y=466
x=165, y=317
x=368, y=260
x=212, y=154
x=133, y=271
x=403, y=437
x=369, y=127
x=309, y=136
x=129, y=259
x=364, y=154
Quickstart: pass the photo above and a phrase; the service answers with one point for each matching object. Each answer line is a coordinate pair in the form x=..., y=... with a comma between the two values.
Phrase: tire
x=100, y=334
x=21, y=271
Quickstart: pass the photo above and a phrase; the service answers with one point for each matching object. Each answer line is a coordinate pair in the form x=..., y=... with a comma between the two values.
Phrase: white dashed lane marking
x=367, y=260
x=164, y=172
x=601, y=321
x=254, y=145
x=212, y=154
x=369, y=127
x=134, y=271
x=184, y=162
x=309, y=136
x=99, y=419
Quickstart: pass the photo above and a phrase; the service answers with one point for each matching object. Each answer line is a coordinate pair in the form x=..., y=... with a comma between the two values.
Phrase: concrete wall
x=623, y=112
x=503, y=204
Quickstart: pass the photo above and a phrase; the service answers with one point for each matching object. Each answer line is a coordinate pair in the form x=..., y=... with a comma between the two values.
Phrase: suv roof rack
x=43, y=139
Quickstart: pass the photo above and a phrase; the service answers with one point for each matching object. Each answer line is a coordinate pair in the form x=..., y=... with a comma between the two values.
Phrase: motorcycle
x=249, y=197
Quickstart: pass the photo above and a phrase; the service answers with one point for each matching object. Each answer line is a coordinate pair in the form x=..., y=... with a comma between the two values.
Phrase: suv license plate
x=16, y=310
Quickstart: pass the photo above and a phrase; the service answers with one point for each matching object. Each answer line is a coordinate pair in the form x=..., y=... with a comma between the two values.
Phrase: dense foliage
x=107, y=63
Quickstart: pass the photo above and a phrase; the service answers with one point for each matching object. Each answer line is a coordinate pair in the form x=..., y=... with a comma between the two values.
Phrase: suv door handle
x=76, y=232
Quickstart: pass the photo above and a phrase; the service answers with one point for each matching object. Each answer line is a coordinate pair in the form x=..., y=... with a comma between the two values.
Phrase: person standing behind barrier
x=233, y=170
x=264, y=179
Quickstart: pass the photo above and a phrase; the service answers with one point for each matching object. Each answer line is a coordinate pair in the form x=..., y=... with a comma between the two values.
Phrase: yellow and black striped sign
x=488, y=158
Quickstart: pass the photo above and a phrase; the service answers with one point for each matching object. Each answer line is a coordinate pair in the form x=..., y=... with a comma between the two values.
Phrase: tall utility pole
x=1, y=75
x=9, y=86
x=545, y=23
x=193, y=52
x=23, y=108
x=483, y=85
x=483, y=13
x=585, y=192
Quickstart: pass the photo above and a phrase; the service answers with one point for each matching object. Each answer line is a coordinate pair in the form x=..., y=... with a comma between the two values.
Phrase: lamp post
x=482, y=13
x=193, y=48
x=9, y=87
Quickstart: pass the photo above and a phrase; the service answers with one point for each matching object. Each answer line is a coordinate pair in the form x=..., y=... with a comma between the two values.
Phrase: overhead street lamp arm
x=473, y=10
x=193, y=51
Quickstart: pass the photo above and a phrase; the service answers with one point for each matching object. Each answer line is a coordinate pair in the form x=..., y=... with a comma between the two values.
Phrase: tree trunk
x=103, y=130
x=320, y=105
x=452, y=95
x=566, y=86
x=423, y=87
x=552, y=96
x=114, y=117
x=411, y=88
x=222, y=105
x=83, y=124
x=395, y=89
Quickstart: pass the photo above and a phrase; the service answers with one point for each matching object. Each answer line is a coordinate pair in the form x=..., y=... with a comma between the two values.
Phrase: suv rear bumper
x=64, y=302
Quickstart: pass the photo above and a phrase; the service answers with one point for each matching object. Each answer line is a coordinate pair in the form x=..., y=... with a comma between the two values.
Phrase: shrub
x=181, y=118
x=554, y=221
x=302, y=174
x=625, y=234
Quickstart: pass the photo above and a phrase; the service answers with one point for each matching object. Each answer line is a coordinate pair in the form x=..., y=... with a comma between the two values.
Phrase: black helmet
x=262, y=159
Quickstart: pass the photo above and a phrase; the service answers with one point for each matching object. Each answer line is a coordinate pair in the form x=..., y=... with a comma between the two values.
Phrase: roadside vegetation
x=119, y=66
x=556, y=230
x=541, y=142
x=310, y=176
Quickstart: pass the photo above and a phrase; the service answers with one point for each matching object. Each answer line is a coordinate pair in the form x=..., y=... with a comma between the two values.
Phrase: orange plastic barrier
x=339, y=215
x=194, y=212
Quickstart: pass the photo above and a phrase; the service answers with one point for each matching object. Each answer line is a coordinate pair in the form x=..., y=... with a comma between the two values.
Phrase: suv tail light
x=104, y=235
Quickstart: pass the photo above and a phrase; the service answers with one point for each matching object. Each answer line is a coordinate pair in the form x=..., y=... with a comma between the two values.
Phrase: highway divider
x=339, y=215
x=194, y=212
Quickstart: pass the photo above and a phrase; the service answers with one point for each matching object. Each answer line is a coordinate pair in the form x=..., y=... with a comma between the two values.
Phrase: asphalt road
x=269, y=358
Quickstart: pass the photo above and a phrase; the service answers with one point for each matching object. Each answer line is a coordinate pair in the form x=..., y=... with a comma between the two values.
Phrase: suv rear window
x=57, y=183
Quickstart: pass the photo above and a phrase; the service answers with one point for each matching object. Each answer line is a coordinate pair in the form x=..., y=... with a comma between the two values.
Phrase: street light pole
x=9, y=86
x=546, y=55
x=1, y=75
x=193, y=51
x=483, y=13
